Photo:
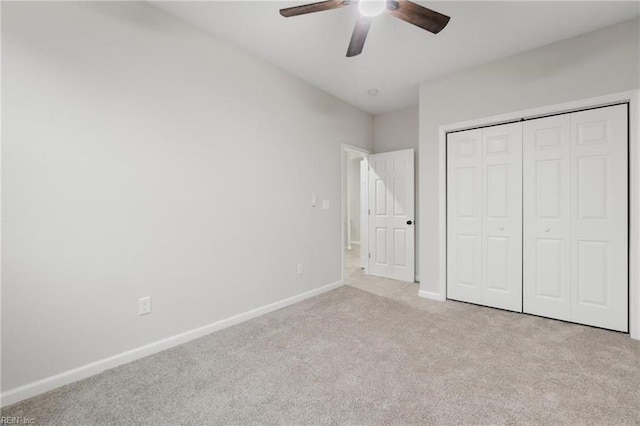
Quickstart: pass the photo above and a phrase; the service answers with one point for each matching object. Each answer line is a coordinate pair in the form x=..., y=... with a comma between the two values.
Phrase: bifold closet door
x=547, y=217
x=502, y=217
x=599, y=226
x=484, y=216
x=464, y=216
x=576, y=217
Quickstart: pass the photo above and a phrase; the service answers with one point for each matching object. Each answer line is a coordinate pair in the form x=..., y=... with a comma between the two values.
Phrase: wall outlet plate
x=300, y=269
x=144, y=305
x=325, y=204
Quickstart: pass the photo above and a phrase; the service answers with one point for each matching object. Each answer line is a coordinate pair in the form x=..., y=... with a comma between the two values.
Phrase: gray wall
x=394, y=131
x=589, y=65
x=142, y=157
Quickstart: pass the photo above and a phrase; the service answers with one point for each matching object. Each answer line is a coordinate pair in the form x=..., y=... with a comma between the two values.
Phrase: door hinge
x=369, y=212
x=369, y=255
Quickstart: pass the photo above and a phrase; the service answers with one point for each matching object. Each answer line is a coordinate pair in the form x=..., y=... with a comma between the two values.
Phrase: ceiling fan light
x=372, y=8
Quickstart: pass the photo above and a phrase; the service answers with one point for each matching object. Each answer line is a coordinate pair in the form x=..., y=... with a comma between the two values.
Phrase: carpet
x=352, y=357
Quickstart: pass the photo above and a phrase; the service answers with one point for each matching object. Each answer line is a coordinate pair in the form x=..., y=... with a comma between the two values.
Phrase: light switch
x=325, y=204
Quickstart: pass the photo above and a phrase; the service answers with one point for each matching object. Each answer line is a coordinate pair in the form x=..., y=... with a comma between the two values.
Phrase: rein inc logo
x=17, y=421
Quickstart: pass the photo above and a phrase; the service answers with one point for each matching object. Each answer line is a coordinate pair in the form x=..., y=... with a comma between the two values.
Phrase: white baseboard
x=431, y=295
x=32, y=389
x=355, y=242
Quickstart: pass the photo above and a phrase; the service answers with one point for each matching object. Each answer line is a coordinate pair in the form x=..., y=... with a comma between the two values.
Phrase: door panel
x=400, y=247
x=592, y=261
x=547, y=230
x=497, y=264
x=502, y=218
x=391, y=197
x=380, y=197
x=549, y=270
x=464, y=221
x=497, y=190
x=592, y=187
x=599, y=209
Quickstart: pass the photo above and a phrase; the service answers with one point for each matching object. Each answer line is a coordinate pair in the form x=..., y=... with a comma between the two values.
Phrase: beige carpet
x=352, y=357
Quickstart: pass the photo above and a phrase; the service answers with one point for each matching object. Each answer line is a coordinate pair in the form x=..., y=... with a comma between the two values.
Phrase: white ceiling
x=397, y=56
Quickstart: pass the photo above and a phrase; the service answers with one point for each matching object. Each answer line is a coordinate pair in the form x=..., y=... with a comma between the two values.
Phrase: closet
x=537, y=216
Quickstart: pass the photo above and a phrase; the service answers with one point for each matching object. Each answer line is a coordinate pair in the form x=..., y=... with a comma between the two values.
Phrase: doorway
x=354, y=206
x=378, y=222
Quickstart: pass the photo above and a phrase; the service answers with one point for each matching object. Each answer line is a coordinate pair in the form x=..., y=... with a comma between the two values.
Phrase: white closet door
x=547, y=225
x=464, y=216
x=502, y=217
x=599, y=208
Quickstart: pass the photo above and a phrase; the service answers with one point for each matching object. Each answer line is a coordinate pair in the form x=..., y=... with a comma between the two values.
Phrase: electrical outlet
x=325, y=204
x=300, y=269
x=144, y=305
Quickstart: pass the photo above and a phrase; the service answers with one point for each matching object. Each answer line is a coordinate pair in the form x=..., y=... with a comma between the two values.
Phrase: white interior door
x=502, y=217
x=464, y=216
x=599, y=209
x=391, y=218
x=547, y=218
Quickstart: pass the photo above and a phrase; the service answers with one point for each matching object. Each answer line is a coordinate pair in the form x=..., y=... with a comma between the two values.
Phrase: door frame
x=345, y=149
x=631, y=97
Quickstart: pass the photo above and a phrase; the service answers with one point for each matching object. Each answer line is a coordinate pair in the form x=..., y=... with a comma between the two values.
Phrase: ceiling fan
x=410, y=12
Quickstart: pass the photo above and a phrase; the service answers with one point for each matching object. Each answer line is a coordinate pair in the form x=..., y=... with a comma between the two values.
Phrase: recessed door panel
x=498, y=144
x=400, y=196
x=466, y=253
x=549, y=272
x=549, y=181
x=548, y=137
x=497, y=263
x=593, y=132
x=592, y=187
x=380, y=197
x=400, y=247
x=547, y=230
x=497, y=190
x=465, y=148
x=592, y=280
x=466, y=181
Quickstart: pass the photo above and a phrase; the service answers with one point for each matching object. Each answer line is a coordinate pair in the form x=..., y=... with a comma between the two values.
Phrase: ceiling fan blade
x=313, y=7
x=417, y=15
x=359, y=36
